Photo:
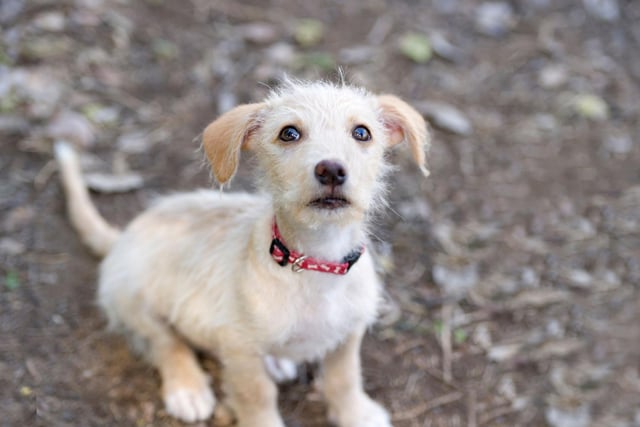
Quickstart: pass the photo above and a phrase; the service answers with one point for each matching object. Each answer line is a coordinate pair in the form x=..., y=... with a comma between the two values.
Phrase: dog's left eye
x=361, y=133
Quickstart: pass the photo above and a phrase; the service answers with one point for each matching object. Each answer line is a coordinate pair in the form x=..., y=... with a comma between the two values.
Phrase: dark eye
x=289, y=133
x=361, y=133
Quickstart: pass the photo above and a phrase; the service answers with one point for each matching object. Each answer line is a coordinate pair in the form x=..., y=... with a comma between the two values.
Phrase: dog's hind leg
x=186, y=391
x=185, y=387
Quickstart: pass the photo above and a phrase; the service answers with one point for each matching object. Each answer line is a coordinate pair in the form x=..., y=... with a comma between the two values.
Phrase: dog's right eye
x=289, y=134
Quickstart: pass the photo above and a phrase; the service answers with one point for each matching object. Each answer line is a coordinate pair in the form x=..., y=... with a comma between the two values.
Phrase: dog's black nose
x=330, y=172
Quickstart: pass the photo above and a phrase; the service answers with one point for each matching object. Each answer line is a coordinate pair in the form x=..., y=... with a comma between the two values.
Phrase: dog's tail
x=94, y=231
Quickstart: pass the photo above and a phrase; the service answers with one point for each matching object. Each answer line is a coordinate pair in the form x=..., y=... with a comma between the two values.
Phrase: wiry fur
x=194, y=270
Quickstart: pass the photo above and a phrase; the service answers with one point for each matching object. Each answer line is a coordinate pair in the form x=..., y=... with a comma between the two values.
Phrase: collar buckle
x=278, y=249
x=296, y=266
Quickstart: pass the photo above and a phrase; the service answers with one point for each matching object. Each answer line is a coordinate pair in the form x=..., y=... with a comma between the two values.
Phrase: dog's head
x=320, y=147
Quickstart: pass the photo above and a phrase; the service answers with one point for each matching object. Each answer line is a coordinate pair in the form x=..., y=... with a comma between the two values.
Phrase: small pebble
x=618, y=144
x=494, y=18
x=553, y=76
x=260, y=33
x=568, y=416
x=446, y=116
x=281, y=53
x=50, y=21
x=579, y=278
x=605, y=10
x=444, y=49
x=456, y=280
x=11, y=247
x=134, y=142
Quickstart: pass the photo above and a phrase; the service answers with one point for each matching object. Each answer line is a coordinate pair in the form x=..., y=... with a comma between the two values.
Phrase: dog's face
x=320, y=147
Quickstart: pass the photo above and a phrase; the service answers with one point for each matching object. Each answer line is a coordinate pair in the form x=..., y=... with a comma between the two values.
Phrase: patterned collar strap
x=283, y=256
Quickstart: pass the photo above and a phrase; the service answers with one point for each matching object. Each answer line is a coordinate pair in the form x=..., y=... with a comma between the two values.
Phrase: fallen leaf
x=308, y=32
x=416, y=47
x=26, y=391
x=538, y=298
x=12, y=281
x=591, y=107
x=460, y=336
x=164, y=50
x=322, y=60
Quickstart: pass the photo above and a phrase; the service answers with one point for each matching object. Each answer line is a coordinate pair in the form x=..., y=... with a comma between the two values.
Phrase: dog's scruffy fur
x=194, y=271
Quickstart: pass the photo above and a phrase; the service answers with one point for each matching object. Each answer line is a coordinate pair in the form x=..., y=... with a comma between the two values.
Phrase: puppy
x=259, y=278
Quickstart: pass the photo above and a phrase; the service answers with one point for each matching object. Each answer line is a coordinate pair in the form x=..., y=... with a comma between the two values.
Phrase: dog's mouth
x=330, y=202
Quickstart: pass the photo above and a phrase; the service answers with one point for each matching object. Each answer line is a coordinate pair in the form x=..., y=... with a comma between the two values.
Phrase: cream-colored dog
x=259, y=279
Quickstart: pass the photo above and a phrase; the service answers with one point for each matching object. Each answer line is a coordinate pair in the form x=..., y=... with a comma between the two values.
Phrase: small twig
x=423, y=408
x=472, y=410
x=403, y=348
x=234, y=10
x=47, y=258
x=434, y=373
x=474, y=317
x=445, y=341
x=42, y=177
x=496, y=413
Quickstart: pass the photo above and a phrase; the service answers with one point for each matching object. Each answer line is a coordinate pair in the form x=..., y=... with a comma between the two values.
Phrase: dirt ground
x=513, y=271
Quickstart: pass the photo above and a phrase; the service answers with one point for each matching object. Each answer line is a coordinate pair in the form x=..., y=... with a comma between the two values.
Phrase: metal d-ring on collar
x=296, y=266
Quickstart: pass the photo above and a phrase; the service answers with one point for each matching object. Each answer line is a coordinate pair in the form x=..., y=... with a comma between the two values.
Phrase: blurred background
x=512, y=271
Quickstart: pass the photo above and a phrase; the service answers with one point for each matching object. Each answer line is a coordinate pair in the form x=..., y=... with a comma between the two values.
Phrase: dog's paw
x=280, y=370
x=364, y=412
x=190, y=405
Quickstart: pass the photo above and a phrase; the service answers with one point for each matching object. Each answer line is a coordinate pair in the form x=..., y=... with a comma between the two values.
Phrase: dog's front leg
x=251, y=393
x=349, y=405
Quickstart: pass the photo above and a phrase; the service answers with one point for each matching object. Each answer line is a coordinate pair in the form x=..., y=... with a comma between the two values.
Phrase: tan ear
x=226, y=136
x=405, y=124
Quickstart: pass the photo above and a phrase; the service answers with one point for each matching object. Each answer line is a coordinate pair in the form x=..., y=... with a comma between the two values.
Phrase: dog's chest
x=318, y=327
x=314, y=320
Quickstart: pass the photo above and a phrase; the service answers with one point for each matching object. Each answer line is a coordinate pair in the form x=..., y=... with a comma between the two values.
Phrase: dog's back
x=173, y=257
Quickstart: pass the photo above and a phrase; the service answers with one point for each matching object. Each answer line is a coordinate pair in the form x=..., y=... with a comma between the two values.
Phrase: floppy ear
x=225, y=136
x=403, y=123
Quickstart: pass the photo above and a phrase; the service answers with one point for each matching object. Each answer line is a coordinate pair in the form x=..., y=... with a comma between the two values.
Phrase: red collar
x=298, y=261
